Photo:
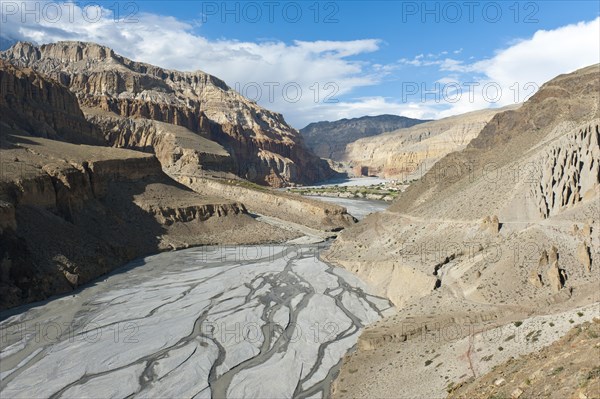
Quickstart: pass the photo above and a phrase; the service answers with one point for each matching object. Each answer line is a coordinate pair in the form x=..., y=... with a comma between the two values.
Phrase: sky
x=329, y=60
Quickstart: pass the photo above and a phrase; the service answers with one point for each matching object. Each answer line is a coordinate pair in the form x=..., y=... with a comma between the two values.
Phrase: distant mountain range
x=329, y=139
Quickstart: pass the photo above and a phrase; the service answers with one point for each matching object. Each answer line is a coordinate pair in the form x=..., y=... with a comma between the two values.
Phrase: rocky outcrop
x=491, y=224
x=263, y=147
x=293, y=208
x=409, y=153
x=329, y=139
x=583, y=255
x=75, y=212
x=177, y=148
x=556, y=277
x=72, y=212
x=30, y=102
x=568, y=172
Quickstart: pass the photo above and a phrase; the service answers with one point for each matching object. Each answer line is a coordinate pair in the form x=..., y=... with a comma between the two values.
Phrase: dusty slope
x=506, y=228
x=408, y=154
x=263, y=147
x=329, y=139
x=569, y=368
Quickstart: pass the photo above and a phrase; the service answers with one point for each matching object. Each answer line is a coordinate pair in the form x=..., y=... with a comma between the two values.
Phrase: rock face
x=583, y=254
x=290, y=207
x=536, y=169
x=264, y=149
x=556, y=277
x=408, y=154
x=179, y=150
x=72, y=212
x=329, y=139
x=33, y=103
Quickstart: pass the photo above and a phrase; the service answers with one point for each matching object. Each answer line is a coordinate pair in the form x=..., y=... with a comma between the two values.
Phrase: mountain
x=72, y=209
x=260, y=145
x=493, y=253
x=408, y=153
x=329, y=139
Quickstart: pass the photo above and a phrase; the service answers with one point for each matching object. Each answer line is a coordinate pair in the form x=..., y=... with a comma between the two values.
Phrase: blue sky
x=408, y=58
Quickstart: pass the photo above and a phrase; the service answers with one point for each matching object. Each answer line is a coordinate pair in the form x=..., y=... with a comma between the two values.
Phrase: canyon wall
x=329, y=139
x=263, y=147
x=408, y=154
x=70, y=213
x=503, y=231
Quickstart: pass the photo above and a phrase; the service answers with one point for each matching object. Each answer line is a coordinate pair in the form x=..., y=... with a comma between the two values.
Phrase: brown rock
x=73, y=279
x=553, y=255
x=586, y=230
x=583, y=255
x=543, y=259
x=32, y=103
x=535, y=279
x=499, y=382
x=265, y=148
x=555, y=277
x=491, y=224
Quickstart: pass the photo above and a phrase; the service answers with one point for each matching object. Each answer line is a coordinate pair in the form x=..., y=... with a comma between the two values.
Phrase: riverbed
x=225, y=321
x=244, y=321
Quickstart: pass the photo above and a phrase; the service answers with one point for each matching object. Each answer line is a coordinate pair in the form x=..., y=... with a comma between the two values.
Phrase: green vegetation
x=379, y=191
x=517, y=323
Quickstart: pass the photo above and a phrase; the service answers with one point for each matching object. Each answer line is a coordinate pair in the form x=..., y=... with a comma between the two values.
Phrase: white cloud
x=333, y=65
x=521, y=68
x=170, y=43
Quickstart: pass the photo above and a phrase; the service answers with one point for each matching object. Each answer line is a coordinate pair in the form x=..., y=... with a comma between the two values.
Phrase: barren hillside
x=408, y=154
x=329, y=139
x=506, y=228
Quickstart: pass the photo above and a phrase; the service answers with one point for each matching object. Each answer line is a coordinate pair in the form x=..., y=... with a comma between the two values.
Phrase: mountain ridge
x=328, y=139
x=264, y=148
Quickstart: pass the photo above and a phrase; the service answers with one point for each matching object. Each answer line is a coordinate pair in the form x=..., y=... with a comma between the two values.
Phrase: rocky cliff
x=329, y=139
x=31, y=102
x=505, y=228
x=263, y=147
x=72, y=212
x=409, y=153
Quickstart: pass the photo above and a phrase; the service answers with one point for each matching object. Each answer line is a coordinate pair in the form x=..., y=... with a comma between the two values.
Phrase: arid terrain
x=503, y=232
x=79, y=198
x=329, y=139
x=407, y=154
x=480, y=280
